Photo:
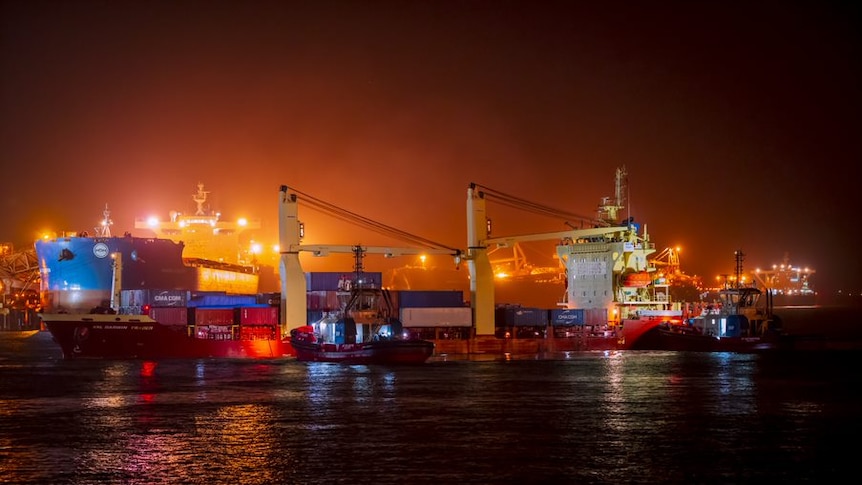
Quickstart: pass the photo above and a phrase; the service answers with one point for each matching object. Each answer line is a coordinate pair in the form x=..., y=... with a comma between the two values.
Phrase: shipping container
x=224, y=279
x=516, y=316
x=567, y=316
x=429, y=298
x=596, y=316
x=257, y=315
x=437, y=317
x=153, y=298
x=273, y=299
x=170, y=315
x=343, y=281
x=211, y=316
x=217, y=299
x=326, y=300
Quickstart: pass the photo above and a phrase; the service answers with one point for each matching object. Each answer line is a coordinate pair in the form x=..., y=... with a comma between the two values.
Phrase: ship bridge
x=204, y=233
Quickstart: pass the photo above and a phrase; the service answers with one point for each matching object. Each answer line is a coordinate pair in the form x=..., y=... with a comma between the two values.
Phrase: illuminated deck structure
x=205, y=235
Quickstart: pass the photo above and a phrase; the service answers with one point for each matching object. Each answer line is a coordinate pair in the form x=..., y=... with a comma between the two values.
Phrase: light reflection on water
x=595, y=417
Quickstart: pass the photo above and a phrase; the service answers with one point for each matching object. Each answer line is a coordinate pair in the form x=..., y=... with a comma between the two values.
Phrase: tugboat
x=365, y=331
x=740, y=320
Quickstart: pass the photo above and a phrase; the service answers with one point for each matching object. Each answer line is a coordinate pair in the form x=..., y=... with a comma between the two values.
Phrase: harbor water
x=591, y=417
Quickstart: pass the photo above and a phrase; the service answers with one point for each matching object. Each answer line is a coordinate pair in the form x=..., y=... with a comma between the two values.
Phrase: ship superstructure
x=204, y=234
x=610, y=280
x=77, y=271
x=789, y=285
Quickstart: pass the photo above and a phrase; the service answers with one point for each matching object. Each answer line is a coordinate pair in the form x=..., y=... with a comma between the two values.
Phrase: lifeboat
x=637, y=280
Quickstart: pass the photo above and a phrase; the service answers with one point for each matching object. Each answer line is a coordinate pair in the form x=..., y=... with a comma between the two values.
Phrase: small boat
x=365, y=331
x=739, y=320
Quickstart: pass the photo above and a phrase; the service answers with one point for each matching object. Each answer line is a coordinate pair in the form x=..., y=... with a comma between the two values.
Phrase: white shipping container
x=437, y=317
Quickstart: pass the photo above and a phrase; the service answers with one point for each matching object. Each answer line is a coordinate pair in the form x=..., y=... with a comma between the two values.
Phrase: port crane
x=604, y=245
x=18, y=269
x=602, y=254
x=669, y=259
x=291, y=232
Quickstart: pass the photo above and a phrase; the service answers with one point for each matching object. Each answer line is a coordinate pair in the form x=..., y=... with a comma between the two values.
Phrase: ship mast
x=358, y=255
x=739, y=258
x=200, y=198
x=608, y=209
x=104, y=227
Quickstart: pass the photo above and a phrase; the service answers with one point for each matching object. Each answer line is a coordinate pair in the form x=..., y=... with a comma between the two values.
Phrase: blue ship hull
x=77, y=272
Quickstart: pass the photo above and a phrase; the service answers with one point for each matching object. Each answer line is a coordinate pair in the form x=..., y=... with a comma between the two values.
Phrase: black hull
x=662, y=338
x=121, y=337
x=376, y=352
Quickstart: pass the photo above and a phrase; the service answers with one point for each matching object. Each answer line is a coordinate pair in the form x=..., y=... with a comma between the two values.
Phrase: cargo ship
x=154, y=315
x=612, y=297
x=787, y=284
x=183, y=293
x=197, y=252
x=611, y=292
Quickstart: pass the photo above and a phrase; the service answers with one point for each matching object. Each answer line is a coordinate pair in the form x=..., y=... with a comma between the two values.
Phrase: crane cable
x=362, y=221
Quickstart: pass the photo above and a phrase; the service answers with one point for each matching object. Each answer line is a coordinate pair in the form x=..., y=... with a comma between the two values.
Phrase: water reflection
x=617, y=417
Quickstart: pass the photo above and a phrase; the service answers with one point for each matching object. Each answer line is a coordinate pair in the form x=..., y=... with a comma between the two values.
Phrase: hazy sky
x=739, y=122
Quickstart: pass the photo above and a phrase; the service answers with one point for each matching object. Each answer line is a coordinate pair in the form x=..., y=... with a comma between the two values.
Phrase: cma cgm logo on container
x=167, y=298
x=100, y=250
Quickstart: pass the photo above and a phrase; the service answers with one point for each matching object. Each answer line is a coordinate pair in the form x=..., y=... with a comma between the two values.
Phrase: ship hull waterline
x=378, y=352
x=122, y=337
x=111, y=336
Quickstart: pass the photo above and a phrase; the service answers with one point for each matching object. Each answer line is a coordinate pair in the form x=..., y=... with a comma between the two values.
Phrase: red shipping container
x=267, y=315
x=322, y=300
x=213, y=316
x=596, y=316
x=170, y=315
x=313, y=299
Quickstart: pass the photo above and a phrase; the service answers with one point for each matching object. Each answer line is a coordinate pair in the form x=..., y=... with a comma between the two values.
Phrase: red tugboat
x=364, y=332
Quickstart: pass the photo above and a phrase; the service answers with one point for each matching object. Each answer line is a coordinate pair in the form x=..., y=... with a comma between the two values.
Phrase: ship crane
x=19, y=270
x=291, y=231
x=623, y=250
x=668, y=258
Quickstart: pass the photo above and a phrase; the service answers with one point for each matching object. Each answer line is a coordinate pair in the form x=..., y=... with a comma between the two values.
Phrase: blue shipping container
x=567, y=316
x=222, y=300
x=521, y=317
x=337, y=280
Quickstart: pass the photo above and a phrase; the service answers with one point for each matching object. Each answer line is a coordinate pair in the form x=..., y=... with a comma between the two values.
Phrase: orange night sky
x=738, y=122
